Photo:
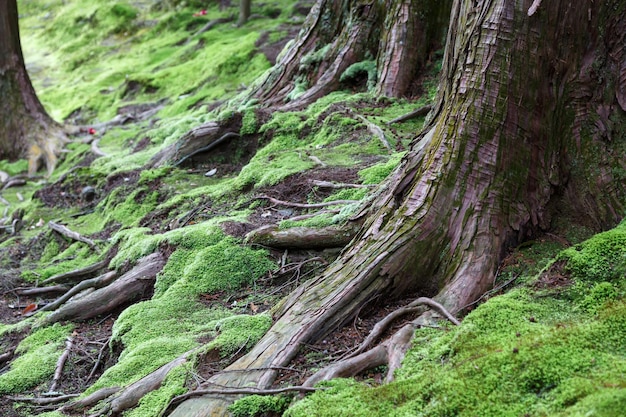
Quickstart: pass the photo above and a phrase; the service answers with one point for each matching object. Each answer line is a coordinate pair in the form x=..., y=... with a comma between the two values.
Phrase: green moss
x=377, y=173
x=241, y=332
x=367, y=68
x=601, y=258
x=248, y=123
x=39, y=353
x=223, y=266
x=257, y=406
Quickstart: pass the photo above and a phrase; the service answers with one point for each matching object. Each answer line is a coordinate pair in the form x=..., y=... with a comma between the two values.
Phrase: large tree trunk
x=25, y=127
x=530, y=117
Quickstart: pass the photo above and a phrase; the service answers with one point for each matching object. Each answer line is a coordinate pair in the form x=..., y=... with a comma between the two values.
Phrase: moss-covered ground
x=550, y=342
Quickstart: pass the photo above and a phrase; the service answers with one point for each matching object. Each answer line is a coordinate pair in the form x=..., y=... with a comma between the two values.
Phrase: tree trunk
x=25, y=127
x=244, y=12
x=530, y=117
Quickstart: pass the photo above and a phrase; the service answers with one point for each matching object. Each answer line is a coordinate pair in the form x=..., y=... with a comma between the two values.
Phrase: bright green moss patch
x=377, y=173
x=601, y=258
x=39, y=353
x=258, y=405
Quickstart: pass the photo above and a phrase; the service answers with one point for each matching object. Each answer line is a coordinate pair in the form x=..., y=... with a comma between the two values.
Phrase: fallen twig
x=99, y=359
x=63, y=230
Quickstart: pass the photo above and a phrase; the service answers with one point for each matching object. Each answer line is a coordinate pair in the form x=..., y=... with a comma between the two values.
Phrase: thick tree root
x=303, y=237
x=75, y=275
x=126, y=288
x=98, y=282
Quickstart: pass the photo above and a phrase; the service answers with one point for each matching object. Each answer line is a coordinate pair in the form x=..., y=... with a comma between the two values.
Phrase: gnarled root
x=129, y=286
x=391, y=352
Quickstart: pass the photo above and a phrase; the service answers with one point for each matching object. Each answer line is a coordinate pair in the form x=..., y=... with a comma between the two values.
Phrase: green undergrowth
x=38, y=354
x=174, y=321
x=538, y=350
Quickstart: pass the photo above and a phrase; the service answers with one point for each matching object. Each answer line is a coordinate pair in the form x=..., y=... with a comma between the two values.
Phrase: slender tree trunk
x=25, y=127
x=244, y=12
x=530, y=117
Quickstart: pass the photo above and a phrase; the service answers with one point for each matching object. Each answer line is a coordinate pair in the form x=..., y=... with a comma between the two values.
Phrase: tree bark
x=25, y=127
x=529, y=118
x=244, y=12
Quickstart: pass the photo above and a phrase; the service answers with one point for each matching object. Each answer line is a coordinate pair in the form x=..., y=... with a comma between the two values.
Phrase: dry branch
x=76, y=274
x=63, y=230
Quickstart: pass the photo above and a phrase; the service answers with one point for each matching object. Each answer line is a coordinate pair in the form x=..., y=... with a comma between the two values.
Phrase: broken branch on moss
x=64, y=231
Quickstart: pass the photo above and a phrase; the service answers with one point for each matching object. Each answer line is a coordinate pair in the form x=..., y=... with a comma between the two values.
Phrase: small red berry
x=92, y=131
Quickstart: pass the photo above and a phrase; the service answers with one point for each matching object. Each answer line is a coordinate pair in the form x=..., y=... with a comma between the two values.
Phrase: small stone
x=88, y=193
x=211, y=172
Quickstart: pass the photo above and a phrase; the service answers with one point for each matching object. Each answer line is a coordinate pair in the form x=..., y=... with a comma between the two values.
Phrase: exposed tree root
x=77, y=274
x=41, y=290
x=90, y=400
x=391, y=352
x=44, y=400
x=376, y=131
x=328, y=184
x=234, y=391
x=98, y=282
x=126, y=288
x=303, y=205
x=422, y=111
x=303, y=237
x=64, y=231
x=200, y=139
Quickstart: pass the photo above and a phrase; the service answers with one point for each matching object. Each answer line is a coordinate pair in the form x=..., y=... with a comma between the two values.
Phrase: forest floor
x=92, y=62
